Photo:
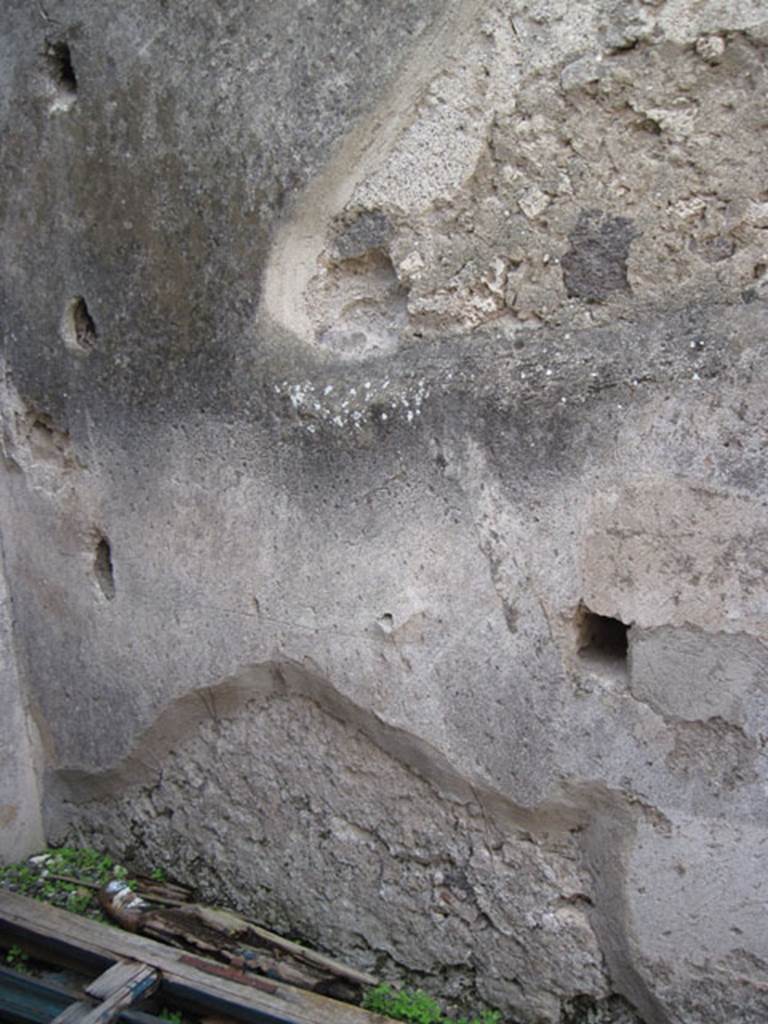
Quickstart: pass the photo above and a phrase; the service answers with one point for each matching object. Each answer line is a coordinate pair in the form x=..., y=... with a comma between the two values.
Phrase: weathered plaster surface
x=21, y=826
x=352, y=355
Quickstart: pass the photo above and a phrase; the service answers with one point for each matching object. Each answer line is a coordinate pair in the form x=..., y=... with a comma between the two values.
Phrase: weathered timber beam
x=29, y=919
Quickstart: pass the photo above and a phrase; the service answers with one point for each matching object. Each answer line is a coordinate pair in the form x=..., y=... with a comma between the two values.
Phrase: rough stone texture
x=596, y=263
x=326, y=829
x=357, y=359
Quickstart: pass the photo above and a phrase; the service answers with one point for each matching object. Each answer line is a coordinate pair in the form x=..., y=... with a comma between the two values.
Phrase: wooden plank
x=124, y=984
x=27, y=1000
x=243, y=928
x=287, y=1005
x=75, y=1013
x=224, y=971
x=311, y=956
x=119, y=975
x=189, y=928
x=126, y=990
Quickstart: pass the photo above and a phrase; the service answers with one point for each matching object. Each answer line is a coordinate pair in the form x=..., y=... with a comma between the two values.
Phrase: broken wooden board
x=227, y=936
x=241, y=927
x=28, y=1000
x=128, y=975
x=122, y=985
x=183, y=974
x=212, y=933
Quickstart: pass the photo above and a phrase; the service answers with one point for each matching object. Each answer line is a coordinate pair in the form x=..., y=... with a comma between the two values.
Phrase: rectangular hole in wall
x=602, y=640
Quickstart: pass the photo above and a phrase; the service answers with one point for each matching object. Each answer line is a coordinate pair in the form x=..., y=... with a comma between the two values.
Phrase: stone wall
x=383, y=483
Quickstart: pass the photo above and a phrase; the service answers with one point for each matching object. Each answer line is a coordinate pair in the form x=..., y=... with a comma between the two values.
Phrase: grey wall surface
x=21, y=827
x=359, y=362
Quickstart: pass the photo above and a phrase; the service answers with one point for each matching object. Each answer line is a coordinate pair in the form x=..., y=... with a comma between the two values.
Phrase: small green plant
x=79, y=901
x=66, y=876
x=157, y=875
x=85, y=864
x=25, y=878
x=416, y=1007
x=17, y=959
x=172, y=1016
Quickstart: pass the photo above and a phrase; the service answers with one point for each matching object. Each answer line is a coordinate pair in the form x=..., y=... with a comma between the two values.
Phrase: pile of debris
x=93, y=885
x=227, y=937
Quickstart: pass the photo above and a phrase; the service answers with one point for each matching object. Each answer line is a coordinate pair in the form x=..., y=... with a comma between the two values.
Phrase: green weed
x=66, y=876
x=17, y=959
x=416, y=1007
x=79, y=901
x=172, y=1016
